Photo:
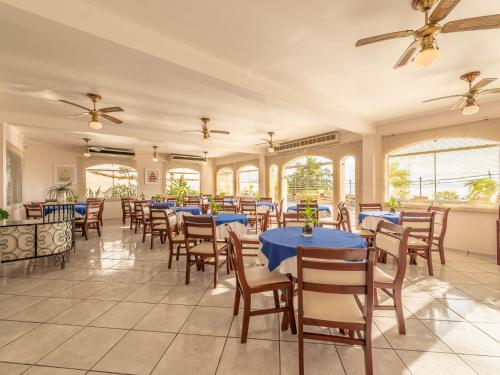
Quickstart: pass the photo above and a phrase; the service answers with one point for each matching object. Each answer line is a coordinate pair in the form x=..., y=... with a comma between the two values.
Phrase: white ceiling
x=252, y=66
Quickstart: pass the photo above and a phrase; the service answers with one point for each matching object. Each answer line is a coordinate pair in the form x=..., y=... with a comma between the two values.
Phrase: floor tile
x=115, y=292
x=37, y=343
x=385, y=361
x=83, y=313
x=136, y=353
x=218, y=297
x=263, y=355
x=319, y=359
x=50, y=288
x=261, y=326
x=12, y=368
x=44, y=310
x=43, y=370
x=168, y=278
x=82, y=290
x=149, y=293
x=483, y=365
x=165, y=318
x=209, y=321
x=422, y=363
x=15, y=304
x=424, y=308
x=123, y=315
x=473, y=311
x=84, y=349
x=11, y=330
x=184, y=295
x=191, y=355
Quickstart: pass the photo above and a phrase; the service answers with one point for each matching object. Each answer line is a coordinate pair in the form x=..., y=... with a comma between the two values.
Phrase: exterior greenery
x=309, y=180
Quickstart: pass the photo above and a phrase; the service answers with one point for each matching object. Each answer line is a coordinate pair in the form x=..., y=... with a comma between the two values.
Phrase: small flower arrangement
x=310, y=218
x=214, y=206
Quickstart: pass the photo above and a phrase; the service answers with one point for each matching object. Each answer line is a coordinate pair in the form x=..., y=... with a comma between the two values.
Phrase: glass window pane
x=190, y=176
x=224, y=181
x=248, y=180
x=111, y=180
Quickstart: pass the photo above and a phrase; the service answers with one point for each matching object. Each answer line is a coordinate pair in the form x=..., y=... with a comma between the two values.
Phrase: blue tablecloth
x=281, y=243
x=169, y=204
x=229, y=218
x=193, y=210
x=268, y=204
x=392, y=217
x=320, y=208
x=80, y=209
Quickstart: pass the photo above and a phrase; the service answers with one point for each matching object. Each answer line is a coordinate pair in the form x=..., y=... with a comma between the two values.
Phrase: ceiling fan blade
x=79, y=114
x=111, y=118
x=191, y=131
x=76, y=105
x=459, y=104
x=111, y=109
x=261, y=144
x=482, y=83
x=496, y=90
x=476, y=23
x=379, y=38
x=443, y=9
x=443, y=97
x=265, y=140
x=219, y=131
x=407, y=55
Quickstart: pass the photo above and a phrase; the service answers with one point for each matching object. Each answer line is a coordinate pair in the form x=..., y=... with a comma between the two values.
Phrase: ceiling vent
x=186, y=158
x=111, y=152
x=316, y=140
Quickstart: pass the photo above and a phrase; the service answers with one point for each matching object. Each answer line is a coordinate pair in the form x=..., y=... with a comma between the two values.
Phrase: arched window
x=248, y=180
x=186, y=176
x=309, y=176
x=110, y=180
x=348, y=165
x=224, y=180
x=273, y=182
x=461, y=171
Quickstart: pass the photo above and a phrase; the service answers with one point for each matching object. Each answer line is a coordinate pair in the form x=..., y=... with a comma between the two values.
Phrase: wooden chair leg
x=84, y=231
x=170, y=254
x=276, y=299
x=152, y=240
x=98, y=229
x=429, y=261
x=301, y=351
x=368, y=358
x=216, y=270
x=237, y=297
x=398, y=303
x=188, y=268
x=291, y=312
x=441, y=252
x=246, y=318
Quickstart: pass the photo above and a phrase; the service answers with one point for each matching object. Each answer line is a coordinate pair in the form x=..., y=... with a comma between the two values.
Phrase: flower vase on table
x=307, y=231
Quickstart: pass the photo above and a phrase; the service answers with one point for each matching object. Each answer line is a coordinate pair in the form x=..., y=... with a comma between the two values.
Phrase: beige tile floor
x=118, y=309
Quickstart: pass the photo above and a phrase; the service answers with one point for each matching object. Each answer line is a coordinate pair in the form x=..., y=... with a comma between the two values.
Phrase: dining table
x=323, y=211
x=370, y=219
x=262, y=207
x=80, y=209
x=278, y=249
x=238, y=223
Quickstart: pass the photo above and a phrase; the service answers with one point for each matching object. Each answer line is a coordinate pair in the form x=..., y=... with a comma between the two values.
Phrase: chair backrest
x=172, y=199
x=370, y=207
x=236, y=258
x=266, y=199
x=278, y=206
x=228, y=209
x=336, y=271
x=421, y=224
x=345, y=219
x=219, y=200
x=199, y=228
x=158, y=218
x=248, y=208
x=126, y=205
x=38, y=202
x=193, y=200
x=393, y=239
x=292, y=219
x=93, y=211
x=440, y=220
x=139, y=209
x=265, y=221
x=33, y=211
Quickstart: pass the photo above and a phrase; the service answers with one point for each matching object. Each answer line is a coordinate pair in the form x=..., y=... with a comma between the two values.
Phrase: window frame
x=249, y=168
x=113, y=178
x=230, y=172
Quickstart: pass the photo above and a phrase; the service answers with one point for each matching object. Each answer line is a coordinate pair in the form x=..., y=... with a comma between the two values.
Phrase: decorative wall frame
x=64, y=173
x=151, y=176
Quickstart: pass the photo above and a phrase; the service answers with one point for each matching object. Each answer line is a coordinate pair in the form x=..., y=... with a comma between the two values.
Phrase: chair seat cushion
x=332, y=307
x=363, y=232
x=259, y=276
x=207, y=247
x=412, y=241
x=251, y=237
x=178, y=238
x=381, y=276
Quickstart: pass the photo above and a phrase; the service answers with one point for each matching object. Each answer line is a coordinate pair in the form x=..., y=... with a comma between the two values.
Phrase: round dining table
x=279, y=245
x=238, y=223
x=370, y=219
x=323, y=211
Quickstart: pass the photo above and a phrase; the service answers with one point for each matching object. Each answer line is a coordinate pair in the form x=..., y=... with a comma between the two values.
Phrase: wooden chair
x=440, y=225
x=175, y=238
x=327, y=221
x=228, y=209
x=90, y=220
x=292, y=219
x=140, y=219
x=202, y=228
x=266, y=199
x=33, y=211
x=126, y=211
x=329, y=285
x=345, y=224
x=101, y=202
x=276, y=216
x=172, y=199
x=392, y=240
x=158, y=223
x=249, y=208
x=258, y=280
x=219, y=200
x=370, y=207
x=193, y=200
x=251, y=240
x=421, y=225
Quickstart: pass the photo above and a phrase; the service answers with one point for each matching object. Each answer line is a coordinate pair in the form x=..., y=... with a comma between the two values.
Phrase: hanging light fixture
x=428, y=52
x=205, y=160
x=86, y=154
x=94, y=123
x=471, y=107
x=155, y=154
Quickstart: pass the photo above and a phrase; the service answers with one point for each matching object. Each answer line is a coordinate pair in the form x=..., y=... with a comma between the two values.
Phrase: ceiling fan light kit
x=87, y=154
x=155, y=153
x=471, y=108
x=426, y=56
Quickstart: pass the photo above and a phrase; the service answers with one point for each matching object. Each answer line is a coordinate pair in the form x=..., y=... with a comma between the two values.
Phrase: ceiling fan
x=204, y=130
x=95, y=113
x=467, y=101
x=423, y=50
x=272, y=144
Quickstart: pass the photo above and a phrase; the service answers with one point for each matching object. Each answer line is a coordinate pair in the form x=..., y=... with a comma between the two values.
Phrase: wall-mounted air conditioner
x=112, y=152
x=186, y=158
x=314, y=141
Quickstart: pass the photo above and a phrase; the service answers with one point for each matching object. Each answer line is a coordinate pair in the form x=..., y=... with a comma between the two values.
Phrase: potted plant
x=310, y=218
x=142, y=196
x=61, y=192
x=392, y=204
x=214, y=206
x=4, y=215
x=158, y=197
